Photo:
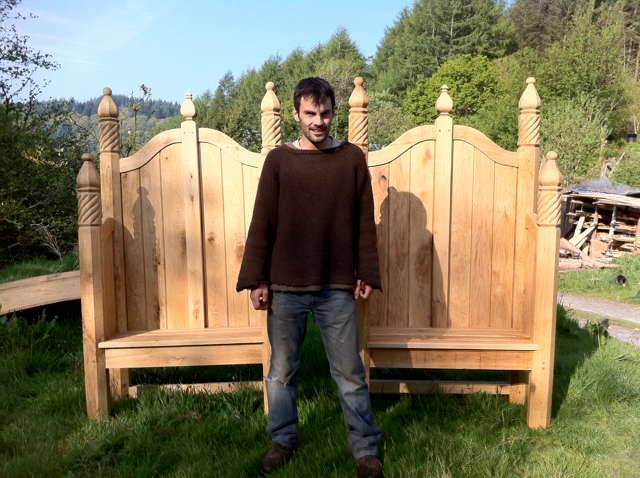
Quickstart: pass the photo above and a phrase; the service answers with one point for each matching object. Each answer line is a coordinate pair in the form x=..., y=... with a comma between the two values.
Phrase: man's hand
x=260, y=297
x=363, y=290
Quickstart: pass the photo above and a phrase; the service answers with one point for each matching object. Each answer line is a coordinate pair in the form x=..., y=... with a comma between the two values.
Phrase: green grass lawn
x=597, y=282
x=595, y=430
x=38, y=266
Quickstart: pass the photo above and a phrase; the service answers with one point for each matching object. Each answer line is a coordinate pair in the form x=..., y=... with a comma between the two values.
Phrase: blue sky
x=176, y=46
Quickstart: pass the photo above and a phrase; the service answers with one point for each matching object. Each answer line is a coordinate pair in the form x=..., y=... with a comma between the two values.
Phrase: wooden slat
x=113, y=269
x=196, y=307
x=250, y=177
x=440, y=386
x=399, y=209
x=211, y=387
x=482, y=241
x=451, y=343
x=445, y=332
x=377, y=304
x=452, y=359
x=184, y=356
x=234, y=235
x=174, y=237
x=133, y=251
x=37, y=291
x=214, y=245
x=420, y=237
x=442, y=221
x=461, y=238
x=153, y=238
x=504, y=225
x=186, y=337
x=524, y=260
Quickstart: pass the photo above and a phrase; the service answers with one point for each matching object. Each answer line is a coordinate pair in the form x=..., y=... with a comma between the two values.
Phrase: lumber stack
x=600, y=226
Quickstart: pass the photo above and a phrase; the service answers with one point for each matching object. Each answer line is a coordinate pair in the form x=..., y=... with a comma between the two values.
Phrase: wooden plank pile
x=598, y=227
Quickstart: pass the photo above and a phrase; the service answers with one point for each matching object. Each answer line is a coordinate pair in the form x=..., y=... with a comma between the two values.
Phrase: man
x=312, y=241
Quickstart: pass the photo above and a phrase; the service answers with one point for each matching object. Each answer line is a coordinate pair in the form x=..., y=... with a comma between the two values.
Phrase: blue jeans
x=335, y=313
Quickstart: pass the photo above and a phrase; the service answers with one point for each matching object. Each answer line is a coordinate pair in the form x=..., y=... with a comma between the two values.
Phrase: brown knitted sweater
x=313, y=223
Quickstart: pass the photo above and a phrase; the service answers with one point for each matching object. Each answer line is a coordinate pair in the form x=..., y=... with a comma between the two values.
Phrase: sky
x=173, y=46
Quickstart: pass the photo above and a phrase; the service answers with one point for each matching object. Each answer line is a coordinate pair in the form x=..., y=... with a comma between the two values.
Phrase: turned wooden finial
x=188, y=108
x=271, y=120
x=88, y=180
x=549, y=182
x=109, y=124
x=107, y=107
x=529, y=118
x=359, y=115
x=359, y=97
x=444, y=103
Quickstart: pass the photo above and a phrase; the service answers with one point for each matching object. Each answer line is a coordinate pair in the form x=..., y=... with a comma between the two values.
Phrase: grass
x=595, y=430
x=599, y=283
x=38, y=266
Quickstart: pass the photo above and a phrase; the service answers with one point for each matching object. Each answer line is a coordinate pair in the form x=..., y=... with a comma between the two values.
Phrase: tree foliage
x=38, y=158
x=433, y=31
x=471, y=81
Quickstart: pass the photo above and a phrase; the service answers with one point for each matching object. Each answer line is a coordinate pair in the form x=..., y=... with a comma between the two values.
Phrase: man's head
x=313, y=108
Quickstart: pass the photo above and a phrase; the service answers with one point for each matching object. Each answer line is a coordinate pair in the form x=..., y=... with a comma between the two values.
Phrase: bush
x=577, y=132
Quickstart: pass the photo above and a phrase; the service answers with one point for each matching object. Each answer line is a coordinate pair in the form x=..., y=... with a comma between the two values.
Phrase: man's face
x=314, y=119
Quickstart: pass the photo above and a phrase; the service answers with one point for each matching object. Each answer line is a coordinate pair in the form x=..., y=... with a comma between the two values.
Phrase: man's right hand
x=260, y=297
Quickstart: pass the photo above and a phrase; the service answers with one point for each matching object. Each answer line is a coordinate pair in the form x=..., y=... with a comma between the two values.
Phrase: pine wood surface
x=36, y=291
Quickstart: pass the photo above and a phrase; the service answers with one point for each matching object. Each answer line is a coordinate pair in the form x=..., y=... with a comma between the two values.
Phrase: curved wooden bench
x=467, y=240
x=38, y=291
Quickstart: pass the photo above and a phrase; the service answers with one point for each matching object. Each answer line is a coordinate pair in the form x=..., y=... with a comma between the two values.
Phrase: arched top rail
x=482, y=142
x=218, y=138
x=149, y=150
x=404, y=142
x=174, y=136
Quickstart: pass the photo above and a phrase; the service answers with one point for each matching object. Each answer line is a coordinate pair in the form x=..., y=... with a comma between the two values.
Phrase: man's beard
x=314, y=139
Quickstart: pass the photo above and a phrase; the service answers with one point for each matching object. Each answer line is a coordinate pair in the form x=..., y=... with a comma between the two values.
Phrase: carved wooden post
x=544, y=328
x=442, y=216
x=359, y=135
x=359, y=116
x=271, y=123
x=91, y=288
x=115, y=311
x=271, y=120
x=192, y=214
x=524, y=278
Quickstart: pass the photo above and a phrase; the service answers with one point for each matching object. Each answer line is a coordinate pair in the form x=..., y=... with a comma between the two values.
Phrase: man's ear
x=296, y=116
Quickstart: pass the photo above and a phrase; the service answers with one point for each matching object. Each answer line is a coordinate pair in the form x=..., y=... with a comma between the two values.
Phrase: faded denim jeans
x=335, y=313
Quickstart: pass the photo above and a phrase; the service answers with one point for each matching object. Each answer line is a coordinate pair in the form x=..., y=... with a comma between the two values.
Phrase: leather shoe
x=277, y=456
x=369, y=466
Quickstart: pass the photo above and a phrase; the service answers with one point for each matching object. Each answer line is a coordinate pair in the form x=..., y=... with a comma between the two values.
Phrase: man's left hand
x=363, y=290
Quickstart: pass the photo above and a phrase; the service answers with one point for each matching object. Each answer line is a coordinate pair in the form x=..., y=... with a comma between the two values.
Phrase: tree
x=38, y=156
x=471, y=81
x=433, y=31
x=539, y=23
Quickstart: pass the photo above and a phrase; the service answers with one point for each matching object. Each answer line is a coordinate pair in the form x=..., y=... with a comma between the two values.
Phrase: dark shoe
x=369, y=466
x=276, y=457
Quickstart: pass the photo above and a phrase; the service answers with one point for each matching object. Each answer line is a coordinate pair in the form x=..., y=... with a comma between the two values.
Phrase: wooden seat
x=184, y=337
x=449, y=339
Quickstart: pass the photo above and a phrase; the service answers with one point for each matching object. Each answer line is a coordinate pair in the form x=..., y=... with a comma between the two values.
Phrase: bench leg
x=363, y=336
x=119, y=383
x=518, y=389
x=540, y=390
x=95, y=382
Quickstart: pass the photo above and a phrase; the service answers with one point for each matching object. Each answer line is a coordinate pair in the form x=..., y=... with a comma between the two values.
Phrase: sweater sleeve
x=368, y=269
x=256, y=259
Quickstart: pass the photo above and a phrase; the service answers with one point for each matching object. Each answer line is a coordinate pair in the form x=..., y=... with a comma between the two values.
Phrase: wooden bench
x=467, y=238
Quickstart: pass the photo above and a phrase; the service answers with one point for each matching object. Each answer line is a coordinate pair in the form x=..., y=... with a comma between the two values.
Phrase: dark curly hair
x=317, y=88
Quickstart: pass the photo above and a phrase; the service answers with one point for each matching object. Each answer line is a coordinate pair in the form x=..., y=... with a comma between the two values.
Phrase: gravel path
x=607, y=308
